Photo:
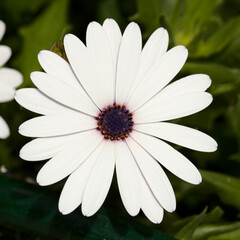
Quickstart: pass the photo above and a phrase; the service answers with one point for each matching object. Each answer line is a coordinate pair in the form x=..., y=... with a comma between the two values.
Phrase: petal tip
x=214, y=146
x=85, y=214
x=199, y=180
x=42, y=53
x=67, y=37
x=133, y=26
x=17, y=93
x=21, y=154
x=41, y=181
x=32, y=75
x=134, y=213
x=109, y=20
x=62, y=211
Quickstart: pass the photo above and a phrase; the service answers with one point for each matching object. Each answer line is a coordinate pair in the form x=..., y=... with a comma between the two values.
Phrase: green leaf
x=213, y=216
x=217, y=72
x=49, y=26
x=181, y=223
x=187, y=231
x=219, y=39
x=33, y=209
x=20, y=11
x=234, y=235
x=110, y=9
x=233, y=115
x=225, y=186
x=189, y=17
x=206, y=231
x=149, y=12
x=224, y=79
x=231, y=55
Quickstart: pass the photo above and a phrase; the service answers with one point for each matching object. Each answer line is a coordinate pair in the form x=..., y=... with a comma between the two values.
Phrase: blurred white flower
x=9, y=80
x=107, y=108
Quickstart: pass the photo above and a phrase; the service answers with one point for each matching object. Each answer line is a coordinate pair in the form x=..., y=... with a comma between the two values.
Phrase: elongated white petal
x=170, y=158
x=63, y=93
x=181, y=135
x=101, y=57
x=57, y=67
x=99, y=181
x=11, y=77
x=5, y=54
x=190, y=84
x=159, y=76
x=71, y=196
x=68, y=160
x=80, y=61
x=44, y=148
x=114, y=37
x=154, y=176
x=4, y=129
x=2, y=29
x=173, y=108
x=50, y=126
x=127, y=179
x=149, y=204
x=6, y=92
x=128, y=61
x=35, y=101
x=154, y=48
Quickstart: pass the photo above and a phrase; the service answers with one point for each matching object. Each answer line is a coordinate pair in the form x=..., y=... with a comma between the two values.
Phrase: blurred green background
x=210, y=29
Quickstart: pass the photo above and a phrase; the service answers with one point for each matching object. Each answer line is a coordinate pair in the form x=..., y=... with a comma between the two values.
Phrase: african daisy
x=9, y=80
x=105, y=108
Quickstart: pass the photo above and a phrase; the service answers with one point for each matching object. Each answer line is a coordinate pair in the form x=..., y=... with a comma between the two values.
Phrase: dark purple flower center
x=115, y=122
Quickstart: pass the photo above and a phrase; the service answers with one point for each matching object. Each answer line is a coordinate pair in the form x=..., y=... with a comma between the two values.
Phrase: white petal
x=56, y=66
x=5, y=54
x=114, y=37
x=171, y=159
x=6, y=92
x=180, y=135
x=44, y=148
x=99, y=181
x=49, y=126
x=173, y=108
x=68, y=160
x=154, y=176
x=2, y=29
x=33, y=100
x=11, y=77
x=71, y=196
x=149, y=204
x=190, y=84
x=128, y=61
x=161, y=73
x=101, y=57
x=63, y=93
x=80, y=61
x=127, y=178
x=154, y=48
x=4, y=129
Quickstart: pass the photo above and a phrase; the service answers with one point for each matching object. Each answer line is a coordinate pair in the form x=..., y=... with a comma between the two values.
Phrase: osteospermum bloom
x=106, y=108
x=9, y=80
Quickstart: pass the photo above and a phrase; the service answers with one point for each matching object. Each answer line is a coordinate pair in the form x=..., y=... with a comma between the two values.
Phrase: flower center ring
x=115, y=122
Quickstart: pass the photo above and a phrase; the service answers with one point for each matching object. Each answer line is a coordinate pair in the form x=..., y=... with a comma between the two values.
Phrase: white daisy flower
x=9, y=80
x=106, y=109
